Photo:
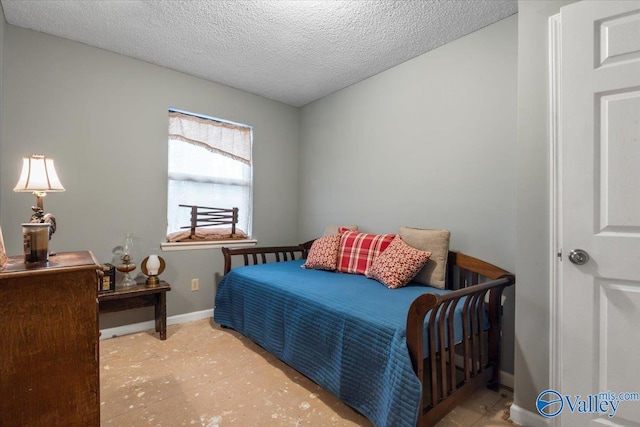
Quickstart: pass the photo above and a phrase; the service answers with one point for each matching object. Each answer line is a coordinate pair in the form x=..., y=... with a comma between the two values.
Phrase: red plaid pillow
x=358, y=250
x=323, y=254
x=397, y=265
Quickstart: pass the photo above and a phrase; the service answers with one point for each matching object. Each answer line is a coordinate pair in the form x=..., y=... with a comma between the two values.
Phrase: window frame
x=213, y=244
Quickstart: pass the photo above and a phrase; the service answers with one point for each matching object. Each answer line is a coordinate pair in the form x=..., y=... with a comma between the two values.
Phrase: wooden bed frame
x=448, y=375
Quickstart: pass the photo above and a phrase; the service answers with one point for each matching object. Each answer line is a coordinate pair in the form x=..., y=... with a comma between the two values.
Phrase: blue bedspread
x=344, y=331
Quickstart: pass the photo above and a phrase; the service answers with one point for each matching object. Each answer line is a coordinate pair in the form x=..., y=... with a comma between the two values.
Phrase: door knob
x=578, y=256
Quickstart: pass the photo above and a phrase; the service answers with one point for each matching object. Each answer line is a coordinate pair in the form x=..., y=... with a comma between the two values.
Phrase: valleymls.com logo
x=550, y=403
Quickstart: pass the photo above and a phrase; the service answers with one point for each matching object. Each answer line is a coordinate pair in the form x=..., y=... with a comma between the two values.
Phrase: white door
x=599, y=306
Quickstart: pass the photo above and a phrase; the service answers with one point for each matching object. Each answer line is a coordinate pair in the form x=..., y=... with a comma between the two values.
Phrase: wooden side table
x=140, y=295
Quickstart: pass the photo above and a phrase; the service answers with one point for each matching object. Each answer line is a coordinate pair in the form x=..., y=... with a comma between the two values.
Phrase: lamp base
x=35, y=238
x=152, y=281
x=125, y=268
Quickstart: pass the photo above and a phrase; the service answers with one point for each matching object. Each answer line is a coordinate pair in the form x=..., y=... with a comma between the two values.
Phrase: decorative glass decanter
x=127, y=264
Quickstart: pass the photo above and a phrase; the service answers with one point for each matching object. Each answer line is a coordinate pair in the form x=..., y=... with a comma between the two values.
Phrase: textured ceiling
x=289, y=51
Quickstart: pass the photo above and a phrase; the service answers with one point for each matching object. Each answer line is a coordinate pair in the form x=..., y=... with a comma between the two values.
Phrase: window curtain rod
x=200, y=116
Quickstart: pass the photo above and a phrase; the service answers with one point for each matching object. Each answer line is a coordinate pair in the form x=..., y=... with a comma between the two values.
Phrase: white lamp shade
x=38, y=174
x=153, y=264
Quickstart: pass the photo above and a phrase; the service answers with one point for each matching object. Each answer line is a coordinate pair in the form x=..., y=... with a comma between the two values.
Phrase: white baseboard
x=506, y=379
x=151, y=324
x=527, y=418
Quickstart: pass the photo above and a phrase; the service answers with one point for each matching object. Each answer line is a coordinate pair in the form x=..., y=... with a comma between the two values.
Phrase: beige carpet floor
x=203, y=375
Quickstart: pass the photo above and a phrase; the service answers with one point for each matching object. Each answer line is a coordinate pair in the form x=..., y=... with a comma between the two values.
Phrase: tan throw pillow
x=335, y=229
x=436, y=242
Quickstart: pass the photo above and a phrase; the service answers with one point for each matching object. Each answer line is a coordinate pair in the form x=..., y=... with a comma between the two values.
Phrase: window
x=210, y=165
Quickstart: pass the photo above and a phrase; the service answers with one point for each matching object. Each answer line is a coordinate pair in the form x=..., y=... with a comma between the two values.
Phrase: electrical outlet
x=195, y=284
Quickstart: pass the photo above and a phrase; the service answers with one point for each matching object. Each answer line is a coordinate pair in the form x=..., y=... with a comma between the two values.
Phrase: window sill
x=190, y=246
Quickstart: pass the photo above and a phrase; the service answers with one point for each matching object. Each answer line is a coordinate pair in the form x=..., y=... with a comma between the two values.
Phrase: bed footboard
x=448, y=373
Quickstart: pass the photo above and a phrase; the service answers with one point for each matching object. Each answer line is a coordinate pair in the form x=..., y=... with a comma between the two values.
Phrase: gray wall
x=438, y=131
x=532, y=359
x=430, y=143
x=103, y=118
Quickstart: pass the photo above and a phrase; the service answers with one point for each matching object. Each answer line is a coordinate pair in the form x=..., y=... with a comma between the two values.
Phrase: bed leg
x=494, y=381
x=495, y=297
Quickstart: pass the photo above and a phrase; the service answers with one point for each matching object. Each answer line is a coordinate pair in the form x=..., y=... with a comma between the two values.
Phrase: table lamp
x=39, y=177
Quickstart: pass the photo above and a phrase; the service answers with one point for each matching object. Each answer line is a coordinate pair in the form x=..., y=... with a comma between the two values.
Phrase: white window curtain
x=209, y=165
x=223, y=138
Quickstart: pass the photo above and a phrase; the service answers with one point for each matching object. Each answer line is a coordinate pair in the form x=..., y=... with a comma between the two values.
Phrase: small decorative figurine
x=39, y=217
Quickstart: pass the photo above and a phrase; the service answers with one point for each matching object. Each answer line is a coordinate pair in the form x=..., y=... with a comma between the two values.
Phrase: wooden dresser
x=49, y=372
